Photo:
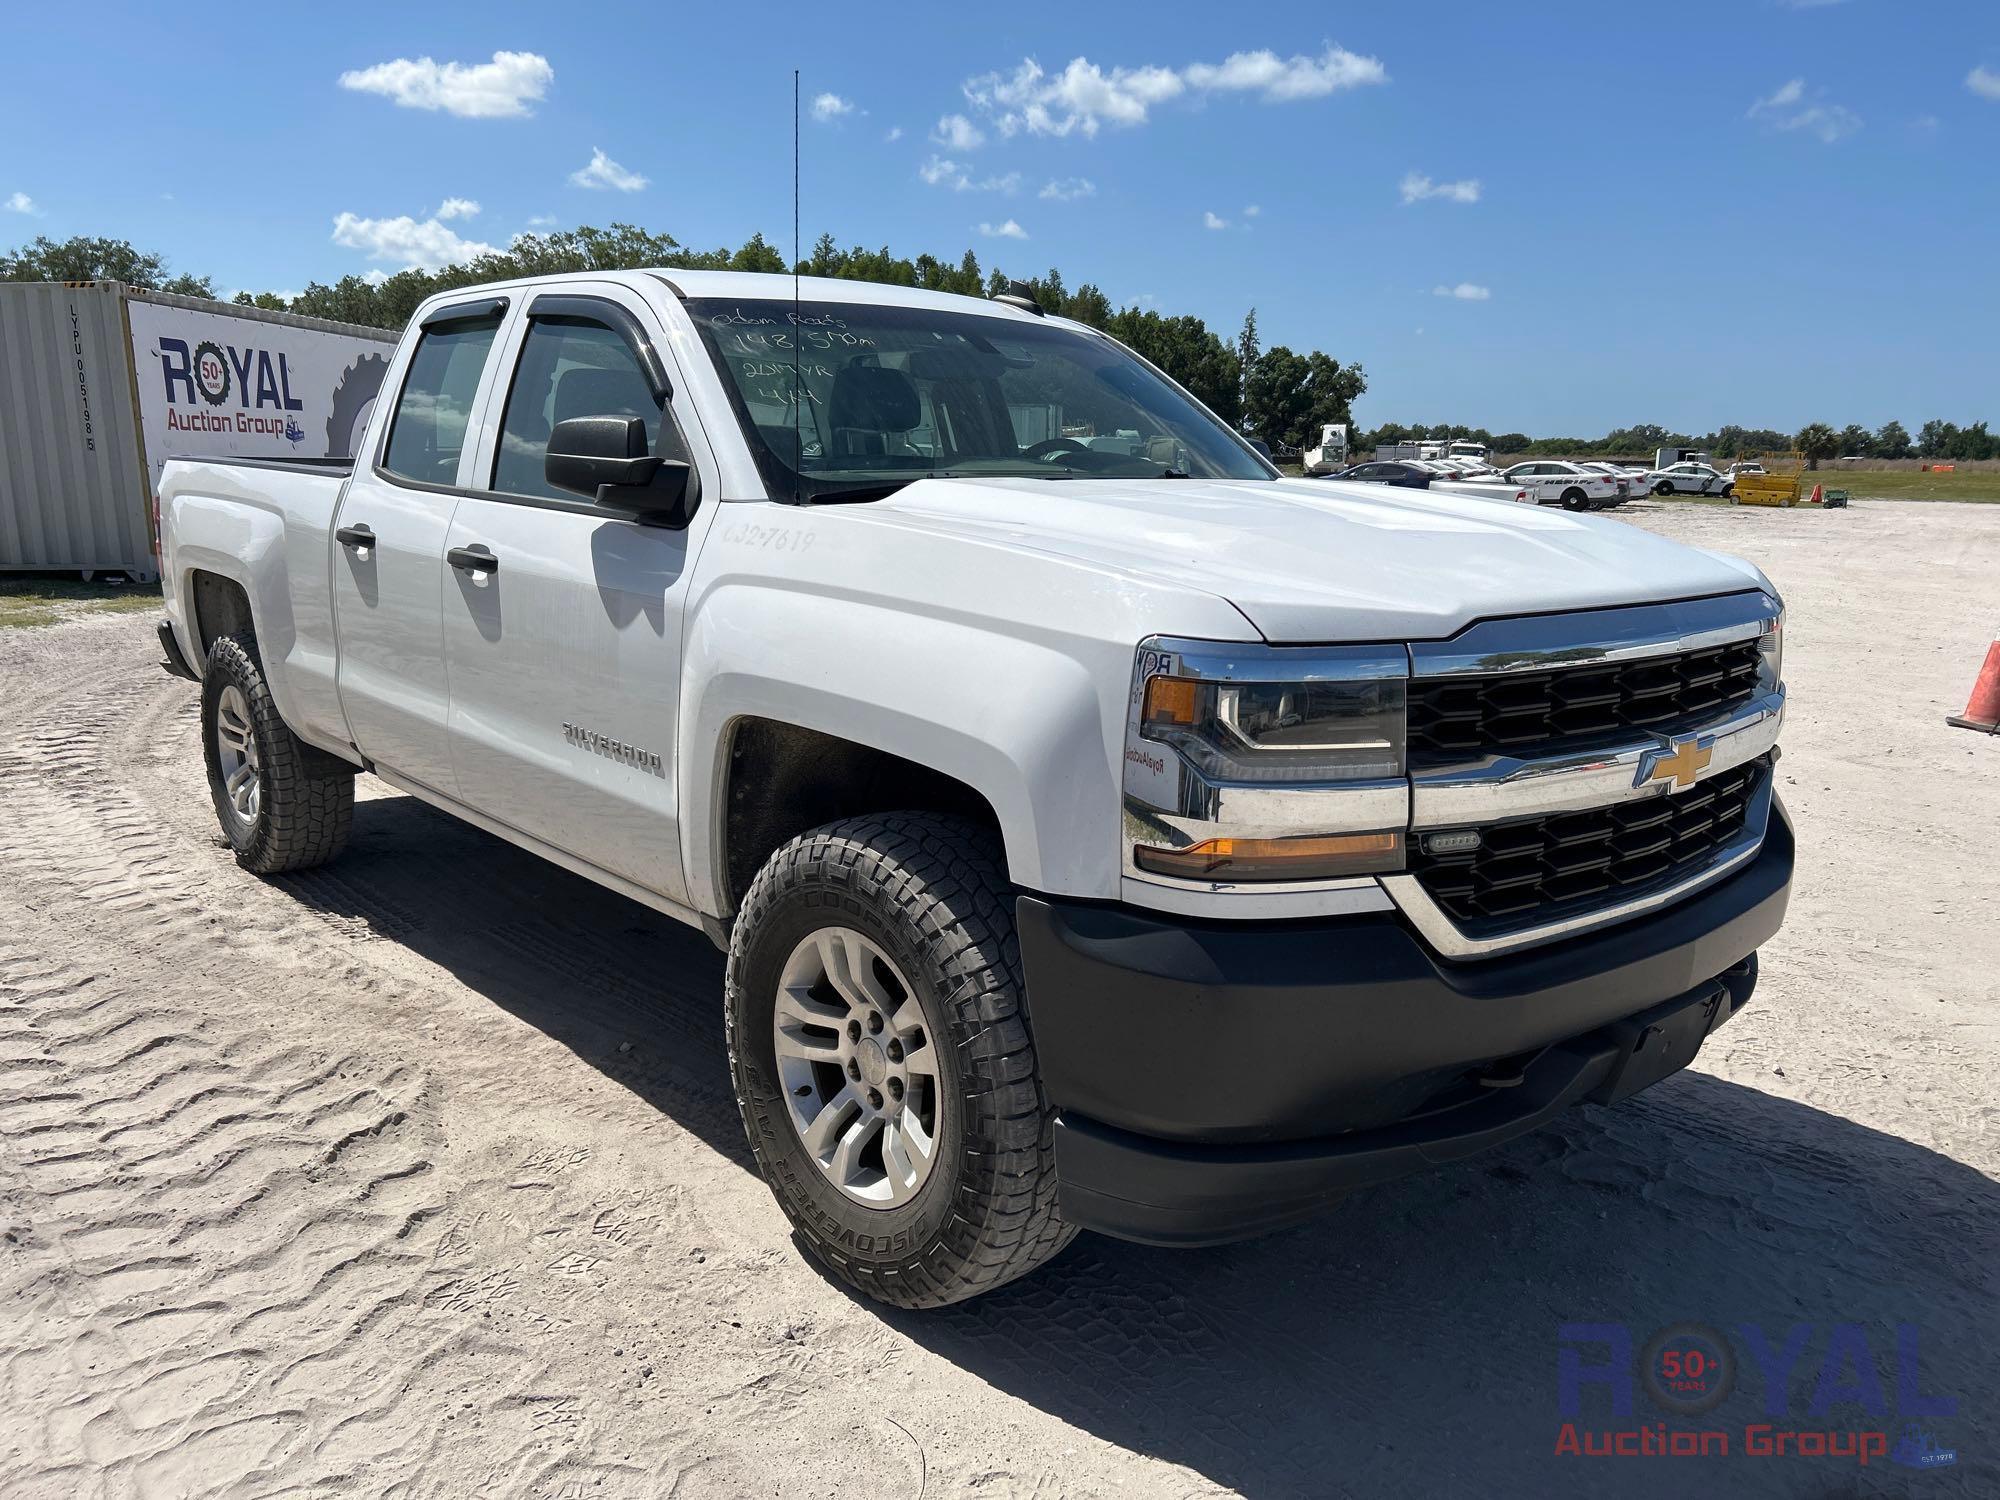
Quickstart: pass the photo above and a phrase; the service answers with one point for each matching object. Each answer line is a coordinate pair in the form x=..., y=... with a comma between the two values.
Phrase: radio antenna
x=798, y=390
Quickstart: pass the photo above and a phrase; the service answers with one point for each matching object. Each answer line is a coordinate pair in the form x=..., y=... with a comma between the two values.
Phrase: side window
x=427, y=433
x=571, y=367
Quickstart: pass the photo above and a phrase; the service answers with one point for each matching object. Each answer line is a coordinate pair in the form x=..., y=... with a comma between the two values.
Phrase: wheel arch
x=781, y=779
x=217, y=605
x=1018, y=730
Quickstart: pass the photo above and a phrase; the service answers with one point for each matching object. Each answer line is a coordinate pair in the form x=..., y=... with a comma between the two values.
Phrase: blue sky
x=1736, y=211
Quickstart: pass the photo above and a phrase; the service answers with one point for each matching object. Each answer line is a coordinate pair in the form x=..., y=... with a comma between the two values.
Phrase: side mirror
x=604, y=459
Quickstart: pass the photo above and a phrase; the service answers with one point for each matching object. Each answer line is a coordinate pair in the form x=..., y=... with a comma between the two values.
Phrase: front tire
x=882, y=1062
x=282, y=805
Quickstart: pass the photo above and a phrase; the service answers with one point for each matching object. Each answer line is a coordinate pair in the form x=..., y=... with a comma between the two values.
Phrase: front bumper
x=1217, y=1080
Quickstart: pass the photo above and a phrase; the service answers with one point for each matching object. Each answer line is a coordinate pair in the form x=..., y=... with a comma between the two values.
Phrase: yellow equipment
x=1779, y=484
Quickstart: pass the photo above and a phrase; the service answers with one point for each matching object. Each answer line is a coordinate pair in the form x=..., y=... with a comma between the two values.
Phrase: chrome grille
x=1540, y=870
x=1533, y=715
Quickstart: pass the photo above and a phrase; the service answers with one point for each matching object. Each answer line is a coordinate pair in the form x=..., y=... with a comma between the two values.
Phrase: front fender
x=1023, y=719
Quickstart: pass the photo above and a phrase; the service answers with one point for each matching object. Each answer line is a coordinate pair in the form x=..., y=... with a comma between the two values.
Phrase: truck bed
x=264, y=524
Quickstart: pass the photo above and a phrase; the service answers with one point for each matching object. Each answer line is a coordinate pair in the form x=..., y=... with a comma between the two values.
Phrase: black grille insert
x=1539, y=870
x=1537, y=714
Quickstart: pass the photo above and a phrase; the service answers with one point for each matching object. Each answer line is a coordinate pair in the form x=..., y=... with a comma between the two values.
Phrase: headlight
x=1254, y=763
x=1306, y=731
x=1771, y=671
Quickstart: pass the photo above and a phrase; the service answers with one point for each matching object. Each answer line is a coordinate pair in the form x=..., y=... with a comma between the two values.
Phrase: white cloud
x=1282, y=79
x=504, y=87
x=429, y=243
x=1212, y=220
x=541, y=221
x=1984, y=82
x=375, y=277
x=942, y=171
x=957, y=133
x=603, y=172
x=895, y=134
x=1004, y=231
x=1465, y=291
x=1253, y=210
x=1787, y=95
x=458, y=208
x=1084, y=96
x=1069, y=189
x=21, y=203
x=1416, y=187
x=826, y=107
x=1830, y=122
x=1789, y=109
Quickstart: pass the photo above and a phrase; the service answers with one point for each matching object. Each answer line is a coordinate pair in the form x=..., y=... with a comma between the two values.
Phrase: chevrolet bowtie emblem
x=1679, y=762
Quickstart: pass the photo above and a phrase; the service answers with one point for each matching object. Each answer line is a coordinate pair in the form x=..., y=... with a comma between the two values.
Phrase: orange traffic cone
x=1818, y=495
x=1983, y=712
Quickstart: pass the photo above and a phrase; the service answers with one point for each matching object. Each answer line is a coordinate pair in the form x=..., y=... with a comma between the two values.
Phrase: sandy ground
x=419, y=1175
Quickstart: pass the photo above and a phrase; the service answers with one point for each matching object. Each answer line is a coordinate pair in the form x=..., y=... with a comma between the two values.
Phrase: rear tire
x=282, y=804
x=917, y=917
x=1664, y=487
x=1575, y=500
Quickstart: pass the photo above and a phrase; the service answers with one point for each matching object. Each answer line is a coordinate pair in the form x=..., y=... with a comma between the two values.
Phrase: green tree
x=1276, y=395
x=1248, y=350
x=1856, y=441
x=83, y=258
x=1816, y=441
x=1935, y=437
x=757, y=256
x=1189, y=352
x=1891, y=441
x=1509, y=442
x=1971, y=443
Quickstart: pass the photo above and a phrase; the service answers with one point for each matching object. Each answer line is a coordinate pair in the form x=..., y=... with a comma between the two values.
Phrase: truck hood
x=1317, y=560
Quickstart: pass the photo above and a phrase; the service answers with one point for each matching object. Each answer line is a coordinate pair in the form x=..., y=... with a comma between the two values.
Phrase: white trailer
x=101, y=384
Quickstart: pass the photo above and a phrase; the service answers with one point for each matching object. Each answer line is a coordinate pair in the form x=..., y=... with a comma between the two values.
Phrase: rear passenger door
x=562, y=622
x=388, y=546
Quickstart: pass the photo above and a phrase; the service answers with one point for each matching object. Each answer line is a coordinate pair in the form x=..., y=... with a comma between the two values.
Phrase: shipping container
x=100, y=384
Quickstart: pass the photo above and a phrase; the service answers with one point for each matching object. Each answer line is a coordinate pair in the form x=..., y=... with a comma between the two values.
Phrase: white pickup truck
x=1125, y=839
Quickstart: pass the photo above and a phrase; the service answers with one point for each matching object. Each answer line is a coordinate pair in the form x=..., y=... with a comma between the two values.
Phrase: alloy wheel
x=857, y=1066
x=237, y=755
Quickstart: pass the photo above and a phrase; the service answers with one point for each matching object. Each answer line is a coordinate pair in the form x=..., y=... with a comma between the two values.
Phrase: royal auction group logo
x=211, y=373
x=1857, y=1391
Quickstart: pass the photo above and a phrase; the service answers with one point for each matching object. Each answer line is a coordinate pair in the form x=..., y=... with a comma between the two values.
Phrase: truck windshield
x=853, y=400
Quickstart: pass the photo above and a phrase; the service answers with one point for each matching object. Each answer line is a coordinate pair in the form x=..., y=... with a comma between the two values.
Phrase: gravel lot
x=419, y=1174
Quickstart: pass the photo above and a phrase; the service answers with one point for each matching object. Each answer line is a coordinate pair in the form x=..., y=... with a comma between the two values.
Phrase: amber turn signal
x=1311, y=857
x=1171, y=700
